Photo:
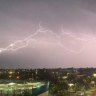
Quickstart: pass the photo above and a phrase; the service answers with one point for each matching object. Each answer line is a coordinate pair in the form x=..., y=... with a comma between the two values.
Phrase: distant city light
x=71, y=84
x=10, y=72
x=17, y=77
x=11, y=83
x=94, y=75
x=65, y=77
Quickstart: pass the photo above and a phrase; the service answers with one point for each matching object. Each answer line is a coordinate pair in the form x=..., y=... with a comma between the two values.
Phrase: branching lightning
x=25, y=42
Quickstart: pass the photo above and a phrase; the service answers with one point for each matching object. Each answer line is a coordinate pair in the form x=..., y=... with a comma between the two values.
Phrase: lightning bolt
x=25, y=42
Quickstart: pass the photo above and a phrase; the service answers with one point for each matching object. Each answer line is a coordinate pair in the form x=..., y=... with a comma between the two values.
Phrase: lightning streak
x=24, y=43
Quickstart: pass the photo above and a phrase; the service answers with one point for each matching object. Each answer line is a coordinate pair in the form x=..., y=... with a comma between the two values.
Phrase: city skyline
x=47, y=33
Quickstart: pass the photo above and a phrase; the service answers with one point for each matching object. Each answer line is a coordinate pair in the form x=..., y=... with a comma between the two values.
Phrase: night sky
x=47, y=33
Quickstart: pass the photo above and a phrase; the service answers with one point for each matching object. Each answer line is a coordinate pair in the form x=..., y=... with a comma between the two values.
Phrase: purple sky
x=60, y=33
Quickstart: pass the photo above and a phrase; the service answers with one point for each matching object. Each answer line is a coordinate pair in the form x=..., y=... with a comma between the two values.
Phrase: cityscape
x=47, y=47
x=48, y=82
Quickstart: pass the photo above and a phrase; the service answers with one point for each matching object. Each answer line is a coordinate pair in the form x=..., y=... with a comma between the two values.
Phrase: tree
x=26, y=93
